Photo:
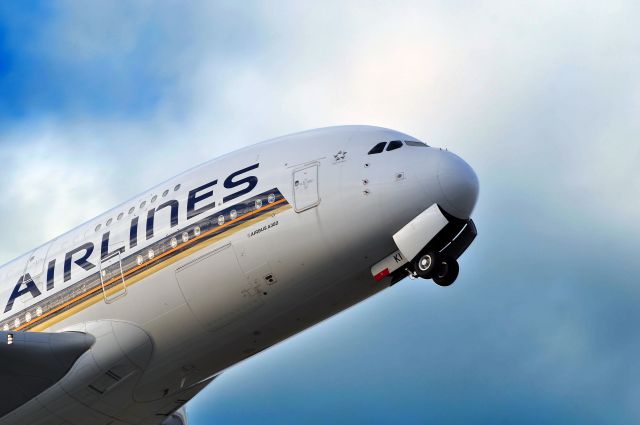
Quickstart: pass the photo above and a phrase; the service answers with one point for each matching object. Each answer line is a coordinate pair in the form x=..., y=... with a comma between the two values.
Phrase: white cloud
x=48, y=189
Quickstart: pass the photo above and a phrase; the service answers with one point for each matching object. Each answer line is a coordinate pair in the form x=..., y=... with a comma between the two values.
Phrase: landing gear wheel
x=425, y=265
x=447, y=271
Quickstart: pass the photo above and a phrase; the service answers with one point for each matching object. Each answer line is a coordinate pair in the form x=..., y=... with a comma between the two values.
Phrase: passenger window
x=394, y=144
x=377, y=148
x=414, y=143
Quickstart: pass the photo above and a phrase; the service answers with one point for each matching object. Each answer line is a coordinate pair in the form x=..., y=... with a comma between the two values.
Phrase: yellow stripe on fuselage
x=96, y=294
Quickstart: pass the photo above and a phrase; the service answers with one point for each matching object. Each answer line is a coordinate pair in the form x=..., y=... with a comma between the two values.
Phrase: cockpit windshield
x=378, y=148
x=395, y=144
x=414, y=143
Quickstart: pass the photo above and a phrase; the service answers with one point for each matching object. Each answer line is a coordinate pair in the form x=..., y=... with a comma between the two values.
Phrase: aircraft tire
x=447, y=272
x=425, y=264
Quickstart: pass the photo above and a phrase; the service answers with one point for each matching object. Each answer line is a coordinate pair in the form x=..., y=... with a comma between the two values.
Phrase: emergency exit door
x=305, y=188
x=112, y=276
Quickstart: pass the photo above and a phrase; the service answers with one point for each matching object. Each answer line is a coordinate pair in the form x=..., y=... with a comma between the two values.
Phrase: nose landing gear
x=442, y=269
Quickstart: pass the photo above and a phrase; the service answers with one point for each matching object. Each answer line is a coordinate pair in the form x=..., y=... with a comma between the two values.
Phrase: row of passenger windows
x=143, y=204
x=393, y=145
x=149, y=254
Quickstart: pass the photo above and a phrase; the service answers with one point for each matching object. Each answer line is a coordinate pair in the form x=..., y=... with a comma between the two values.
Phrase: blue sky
x=541, y=98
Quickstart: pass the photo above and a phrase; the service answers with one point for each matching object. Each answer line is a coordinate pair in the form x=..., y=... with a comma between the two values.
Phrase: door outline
x=228, y=283
x=118, y=294
x=313, y=183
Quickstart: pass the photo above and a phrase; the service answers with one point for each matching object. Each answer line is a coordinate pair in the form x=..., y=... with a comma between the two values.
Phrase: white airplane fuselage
x=219, y=263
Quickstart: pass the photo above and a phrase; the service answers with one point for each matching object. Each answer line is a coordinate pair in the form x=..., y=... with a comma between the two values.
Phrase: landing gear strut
x=431, y=265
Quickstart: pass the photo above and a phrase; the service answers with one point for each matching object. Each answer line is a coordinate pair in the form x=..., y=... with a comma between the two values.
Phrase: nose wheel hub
x=442, y=269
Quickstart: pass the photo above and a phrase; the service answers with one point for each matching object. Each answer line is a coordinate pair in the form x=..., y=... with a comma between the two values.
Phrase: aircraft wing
x=31, y=362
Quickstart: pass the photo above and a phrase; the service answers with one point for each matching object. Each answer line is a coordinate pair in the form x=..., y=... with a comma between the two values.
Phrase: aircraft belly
x=336, y=295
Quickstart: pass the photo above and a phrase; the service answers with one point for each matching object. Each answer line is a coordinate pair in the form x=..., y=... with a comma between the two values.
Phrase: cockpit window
x=394, y=144
x=377, y=148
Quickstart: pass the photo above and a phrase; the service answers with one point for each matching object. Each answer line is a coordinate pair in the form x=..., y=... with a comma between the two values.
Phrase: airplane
x=127, y=317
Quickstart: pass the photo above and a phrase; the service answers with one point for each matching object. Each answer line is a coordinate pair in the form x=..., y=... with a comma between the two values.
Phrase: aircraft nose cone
x=459, y=185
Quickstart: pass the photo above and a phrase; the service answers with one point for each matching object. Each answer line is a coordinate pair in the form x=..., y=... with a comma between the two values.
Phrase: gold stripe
x=159, y=266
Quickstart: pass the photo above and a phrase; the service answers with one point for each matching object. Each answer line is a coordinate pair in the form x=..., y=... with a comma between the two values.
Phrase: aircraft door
x=305, y=188
x=111, y=275
x=216, y=289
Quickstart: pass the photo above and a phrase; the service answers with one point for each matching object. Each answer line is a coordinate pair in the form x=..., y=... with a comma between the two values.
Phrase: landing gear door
x=305, y=188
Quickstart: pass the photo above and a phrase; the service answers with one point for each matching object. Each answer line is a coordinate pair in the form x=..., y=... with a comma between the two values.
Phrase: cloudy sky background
x=101, y=100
